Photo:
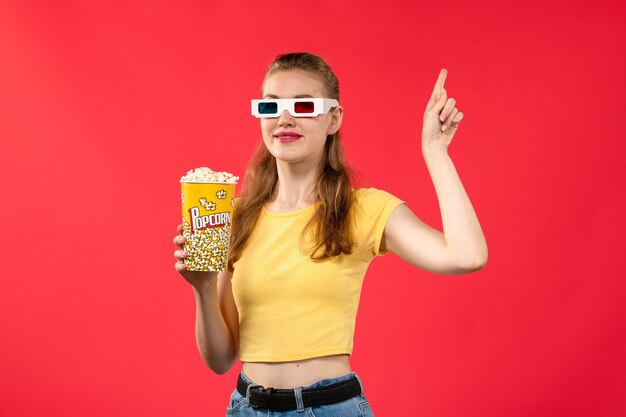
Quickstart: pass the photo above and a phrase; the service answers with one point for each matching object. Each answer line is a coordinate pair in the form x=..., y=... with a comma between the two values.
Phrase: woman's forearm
x=463, y=234
x=214, y=339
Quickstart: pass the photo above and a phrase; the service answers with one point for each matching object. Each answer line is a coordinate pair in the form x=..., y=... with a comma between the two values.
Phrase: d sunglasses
x=297, y=107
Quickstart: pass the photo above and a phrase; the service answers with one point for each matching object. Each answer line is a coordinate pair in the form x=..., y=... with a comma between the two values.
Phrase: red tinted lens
x=304, y=107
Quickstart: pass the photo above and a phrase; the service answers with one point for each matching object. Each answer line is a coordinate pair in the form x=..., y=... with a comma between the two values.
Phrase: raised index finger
x=440, y=81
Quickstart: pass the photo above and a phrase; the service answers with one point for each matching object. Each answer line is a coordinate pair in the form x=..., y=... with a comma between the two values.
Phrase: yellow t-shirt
x=291, y=307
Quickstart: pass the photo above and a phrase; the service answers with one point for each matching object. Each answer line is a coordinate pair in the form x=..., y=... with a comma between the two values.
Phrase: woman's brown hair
x=332, y=223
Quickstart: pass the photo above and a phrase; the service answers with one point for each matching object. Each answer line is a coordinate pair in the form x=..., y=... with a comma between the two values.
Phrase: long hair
x=331, y=226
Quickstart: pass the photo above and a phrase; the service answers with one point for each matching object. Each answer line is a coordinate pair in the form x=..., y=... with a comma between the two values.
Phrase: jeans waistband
x=326, y=391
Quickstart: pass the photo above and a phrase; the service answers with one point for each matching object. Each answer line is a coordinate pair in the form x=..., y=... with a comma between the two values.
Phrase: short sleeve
x=375, y=207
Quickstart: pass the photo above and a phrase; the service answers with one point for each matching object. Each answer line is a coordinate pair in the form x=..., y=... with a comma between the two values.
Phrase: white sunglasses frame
x=321, y=106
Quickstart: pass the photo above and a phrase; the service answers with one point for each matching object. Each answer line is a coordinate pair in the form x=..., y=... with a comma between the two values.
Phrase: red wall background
x=104, y=105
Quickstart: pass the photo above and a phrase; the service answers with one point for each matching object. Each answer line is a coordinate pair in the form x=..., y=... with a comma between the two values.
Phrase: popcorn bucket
x=207, y=212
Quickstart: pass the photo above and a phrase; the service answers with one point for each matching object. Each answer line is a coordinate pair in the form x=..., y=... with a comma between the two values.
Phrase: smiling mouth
x=287, y=138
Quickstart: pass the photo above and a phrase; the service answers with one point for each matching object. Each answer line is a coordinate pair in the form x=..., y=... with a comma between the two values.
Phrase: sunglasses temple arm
x=328, y=105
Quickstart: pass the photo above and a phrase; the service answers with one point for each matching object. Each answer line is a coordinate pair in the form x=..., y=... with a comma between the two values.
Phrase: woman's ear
x=336, y=116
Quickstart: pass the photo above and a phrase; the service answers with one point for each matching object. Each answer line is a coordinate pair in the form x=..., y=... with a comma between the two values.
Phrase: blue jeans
x=352, y=407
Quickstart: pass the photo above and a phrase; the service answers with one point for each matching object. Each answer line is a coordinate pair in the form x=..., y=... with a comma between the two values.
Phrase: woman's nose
x=286, y=119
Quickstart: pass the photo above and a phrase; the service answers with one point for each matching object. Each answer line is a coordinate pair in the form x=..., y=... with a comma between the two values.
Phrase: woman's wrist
x=434, y=151
x=204, y=282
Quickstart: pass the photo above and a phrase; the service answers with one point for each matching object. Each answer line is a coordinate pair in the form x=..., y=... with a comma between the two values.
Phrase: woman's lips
x=287, y=137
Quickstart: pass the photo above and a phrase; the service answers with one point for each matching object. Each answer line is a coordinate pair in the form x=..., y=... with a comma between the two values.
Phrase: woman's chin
x=288, y=159
x=291, y=157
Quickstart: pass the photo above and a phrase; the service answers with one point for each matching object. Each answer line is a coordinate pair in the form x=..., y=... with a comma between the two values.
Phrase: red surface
x=104, y=105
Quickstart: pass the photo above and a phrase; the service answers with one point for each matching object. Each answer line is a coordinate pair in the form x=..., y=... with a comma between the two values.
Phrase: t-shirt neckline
x=289, y=213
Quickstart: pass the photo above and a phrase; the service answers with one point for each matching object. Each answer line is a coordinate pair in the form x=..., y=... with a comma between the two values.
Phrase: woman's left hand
x=441, y=118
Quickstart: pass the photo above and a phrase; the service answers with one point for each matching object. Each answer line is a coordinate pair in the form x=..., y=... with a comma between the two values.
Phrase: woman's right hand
x=196, y=278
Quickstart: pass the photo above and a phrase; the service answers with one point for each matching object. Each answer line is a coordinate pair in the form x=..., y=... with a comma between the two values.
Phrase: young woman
x=302, y=239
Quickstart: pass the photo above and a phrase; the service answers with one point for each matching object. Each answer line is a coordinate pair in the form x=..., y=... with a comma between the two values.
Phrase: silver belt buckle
x=251, y=387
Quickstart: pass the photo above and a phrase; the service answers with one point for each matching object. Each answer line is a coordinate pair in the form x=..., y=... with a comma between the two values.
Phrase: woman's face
x=309, y=133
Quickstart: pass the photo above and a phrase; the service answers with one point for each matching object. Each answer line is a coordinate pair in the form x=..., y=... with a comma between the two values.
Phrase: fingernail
x=442, y=118
x=444, y=127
